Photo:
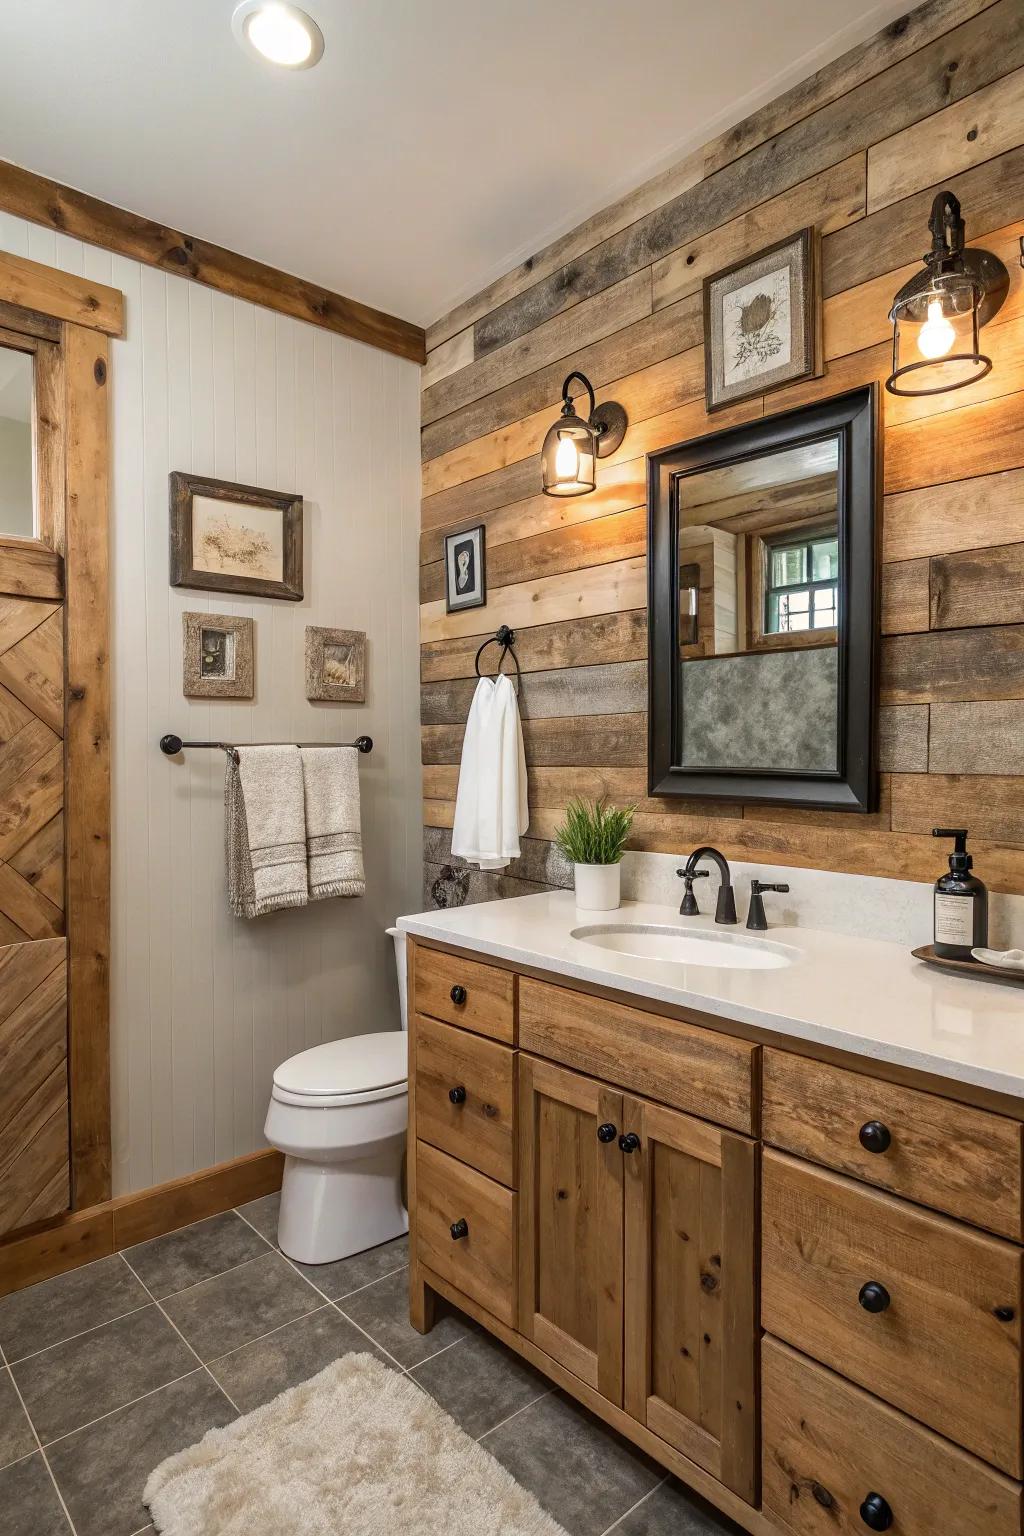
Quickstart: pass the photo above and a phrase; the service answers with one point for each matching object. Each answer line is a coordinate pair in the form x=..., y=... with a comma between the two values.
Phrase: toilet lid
x=358, y=1065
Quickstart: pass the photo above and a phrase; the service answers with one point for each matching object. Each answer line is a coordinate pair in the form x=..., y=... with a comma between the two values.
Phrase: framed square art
x=235, y=538
x=465, y=569
x=217, y=656
x=762, y=322
x=335, y=665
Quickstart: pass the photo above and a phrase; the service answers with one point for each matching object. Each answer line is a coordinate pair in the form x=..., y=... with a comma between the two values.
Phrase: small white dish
x=1009, y=959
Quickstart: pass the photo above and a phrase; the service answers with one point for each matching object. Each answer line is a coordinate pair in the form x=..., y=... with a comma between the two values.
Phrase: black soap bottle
x=961, y=902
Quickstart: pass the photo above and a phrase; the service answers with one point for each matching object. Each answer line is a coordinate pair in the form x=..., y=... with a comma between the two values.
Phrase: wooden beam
x=46, y=202
x=48, y=291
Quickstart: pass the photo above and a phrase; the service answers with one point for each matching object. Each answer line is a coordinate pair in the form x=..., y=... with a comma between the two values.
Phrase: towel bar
x=170, y=745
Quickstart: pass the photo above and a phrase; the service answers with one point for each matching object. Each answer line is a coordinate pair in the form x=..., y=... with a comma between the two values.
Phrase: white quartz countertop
x=859, y=995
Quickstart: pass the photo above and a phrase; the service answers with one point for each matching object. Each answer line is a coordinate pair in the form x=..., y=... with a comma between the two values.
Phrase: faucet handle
x=689, y=907
x=756, y=919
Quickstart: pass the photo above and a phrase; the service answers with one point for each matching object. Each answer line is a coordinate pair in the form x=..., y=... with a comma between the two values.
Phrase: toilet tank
x=403, y=973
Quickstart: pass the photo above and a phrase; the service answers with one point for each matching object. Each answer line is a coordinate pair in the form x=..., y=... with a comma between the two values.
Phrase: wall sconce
x=573, y=446
x=943, y=308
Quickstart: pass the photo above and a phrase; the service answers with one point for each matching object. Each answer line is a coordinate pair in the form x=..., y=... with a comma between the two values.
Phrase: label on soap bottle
x=954, y=919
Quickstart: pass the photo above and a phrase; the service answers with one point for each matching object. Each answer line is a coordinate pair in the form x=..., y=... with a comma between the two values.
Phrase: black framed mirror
x=763, y=610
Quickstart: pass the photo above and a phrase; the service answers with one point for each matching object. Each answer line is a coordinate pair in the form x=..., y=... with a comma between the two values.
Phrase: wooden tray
x=973, y=968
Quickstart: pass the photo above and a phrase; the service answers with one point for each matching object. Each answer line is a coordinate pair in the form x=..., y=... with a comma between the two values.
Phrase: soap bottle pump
x=961, y=902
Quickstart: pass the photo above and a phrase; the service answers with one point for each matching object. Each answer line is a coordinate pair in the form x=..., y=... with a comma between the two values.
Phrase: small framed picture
x=235, y=538
x=335, y=665
x=465, y=569
x=762, y=322
x=217, y=656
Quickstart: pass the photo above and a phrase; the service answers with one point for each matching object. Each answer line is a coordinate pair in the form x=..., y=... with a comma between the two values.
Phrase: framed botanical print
x=762, y=322
x=217, y=656
x=465, y=571
x=235, y=538
x=335, y=664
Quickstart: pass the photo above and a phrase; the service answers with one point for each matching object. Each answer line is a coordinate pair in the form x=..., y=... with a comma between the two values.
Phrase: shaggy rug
x=357, y=1451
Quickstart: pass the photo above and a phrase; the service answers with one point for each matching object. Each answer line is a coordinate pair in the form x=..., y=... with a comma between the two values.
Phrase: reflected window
x=801, y=583
x=17, y=510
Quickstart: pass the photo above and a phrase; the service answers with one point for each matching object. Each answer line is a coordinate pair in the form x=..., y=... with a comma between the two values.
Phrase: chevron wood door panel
x=34, y=1159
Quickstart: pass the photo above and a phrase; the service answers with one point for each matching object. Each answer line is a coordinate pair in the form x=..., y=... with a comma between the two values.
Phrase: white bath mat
x=357, y=1451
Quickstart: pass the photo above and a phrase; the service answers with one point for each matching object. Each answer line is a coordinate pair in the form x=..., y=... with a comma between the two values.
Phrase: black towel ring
x=506, y=638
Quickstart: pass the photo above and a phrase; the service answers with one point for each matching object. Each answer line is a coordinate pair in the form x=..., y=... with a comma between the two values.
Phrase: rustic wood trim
x=62, y=295
x=41, y=201
x=82, y=1236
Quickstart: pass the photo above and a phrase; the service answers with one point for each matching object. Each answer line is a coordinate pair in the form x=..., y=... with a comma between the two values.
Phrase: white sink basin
x=681, y=946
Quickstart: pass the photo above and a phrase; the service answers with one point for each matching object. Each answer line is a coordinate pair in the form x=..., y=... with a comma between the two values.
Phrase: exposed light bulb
x=936, y=336
x=278, y=31
x=567, y=460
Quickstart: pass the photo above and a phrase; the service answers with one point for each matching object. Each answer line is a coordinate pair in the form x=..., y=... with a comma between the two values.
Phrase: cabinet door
x=570, y=1222
x=690, y=1291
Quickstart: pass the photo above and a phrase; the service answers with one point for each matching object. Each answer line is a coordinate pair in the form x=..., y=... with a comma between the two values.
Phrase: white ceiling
x=437, y=142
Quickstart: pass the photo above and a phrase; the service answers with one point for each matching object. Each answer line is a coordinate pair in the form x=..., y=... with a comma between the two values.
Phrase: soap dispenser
x=961, y=902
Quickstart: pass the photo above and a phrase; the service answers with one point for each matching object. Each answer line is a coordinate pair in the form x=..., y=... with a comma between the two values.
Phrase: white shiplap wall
x=204, y=1006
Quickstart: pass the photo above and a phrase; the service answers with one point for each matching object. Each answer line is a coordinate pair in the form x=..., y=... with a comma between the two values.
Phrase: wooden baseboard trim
x=82, y=1236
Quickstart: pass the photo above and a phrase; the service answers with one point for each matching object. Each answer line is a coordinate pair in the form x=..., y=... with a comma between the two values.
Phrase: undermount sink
x=681, y=946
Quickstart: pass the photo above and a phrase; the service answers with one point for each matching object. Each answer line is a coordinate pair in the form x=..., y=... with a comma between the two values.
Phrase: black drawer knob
x=459, y=1229
x=875, y=1137
x=630, y=1142
x=606, y=1132
x=458, y=995
x=874, y=1297
x=875, y=1513
x=457, y=1095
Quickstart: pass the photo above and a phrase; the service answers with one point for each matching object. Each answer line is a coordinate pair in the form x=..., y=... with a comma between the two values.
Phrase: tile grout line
x=408, y=1369
x=34, y=1355
x=355, y=1292
x=185, y=1341
x=626, y=1512
x=46, y=1459
x=538, y=1399
x=57, y=1439
x=206, y=1278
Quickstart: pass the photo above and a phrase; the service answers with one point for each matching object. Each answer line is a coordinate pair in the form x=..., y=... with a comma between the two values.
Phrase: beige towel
x=334, y=840
x=266, y=835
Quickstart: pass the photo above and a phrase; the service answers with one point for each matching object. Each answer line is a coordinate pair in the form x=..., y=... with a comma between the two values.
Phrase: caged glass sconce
x=937, y=315
x=573, y=445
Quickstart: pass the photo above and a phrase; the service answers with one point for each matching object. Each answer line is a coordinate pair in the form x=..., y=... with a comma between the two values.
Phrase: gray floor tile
x=583, y=1474
x=480, y=1383
x=29, y=1505
x=53, y=1310
x=233, y=1309
x=672, y=1510
x=183, y=1258
x=16, y=1437
x=102, y=1469
x=383, y=1311
x=347, y=1275
x=93, y=1374
x=262, y=1213
x=258, y=1372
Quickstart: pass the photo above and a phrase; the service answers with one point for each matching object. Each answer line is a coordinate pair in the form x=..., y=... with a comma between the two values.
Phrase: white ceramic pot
x=597, y=886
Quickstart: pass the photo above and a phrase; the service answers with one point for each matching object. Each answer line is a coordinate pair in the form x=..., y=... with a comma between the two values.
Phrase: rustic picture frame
x=218, y=528
x=792, y=264
x=335, y=665
x=217, y=656
x=470, y=546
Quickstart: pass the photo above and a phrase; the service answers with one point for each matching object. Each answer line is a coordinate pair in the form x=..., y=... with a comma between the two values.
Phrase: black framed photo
x=235, y=538
x=465, y=569
x=762, y=322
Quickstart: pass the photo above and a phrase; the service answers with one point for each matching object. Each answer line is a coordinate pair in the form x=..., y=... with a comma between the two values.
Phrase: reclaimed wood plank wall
x=936, y=99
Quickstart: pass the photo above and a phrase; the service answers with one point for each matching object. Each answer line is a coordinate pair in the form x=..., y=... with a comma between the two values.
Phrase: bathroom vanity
x=760, y=1211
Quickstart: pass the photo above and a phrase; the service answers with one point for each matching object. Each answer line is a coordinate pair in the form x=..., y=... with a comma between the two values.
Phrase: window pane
x=825, y=608
x=16, y=501
x=788, y=566
x=825, y=560
x=794, y=611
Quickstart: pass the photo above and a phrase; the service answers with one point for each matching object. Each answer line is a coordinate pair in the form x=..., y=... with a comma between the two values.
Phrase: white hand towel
x=334, y=839
x=491, y=810
x=265, y=831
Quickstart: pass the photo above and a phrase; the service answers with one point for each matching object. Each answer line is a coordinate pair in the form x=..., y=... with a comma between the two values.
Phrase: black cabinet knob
x=606, y=1132
x=874, y=1297
x=459, y=1229
x=875, y=1513
x=457, y=1095
x=458, y=995
x=630, y=1142
x=875, y=1137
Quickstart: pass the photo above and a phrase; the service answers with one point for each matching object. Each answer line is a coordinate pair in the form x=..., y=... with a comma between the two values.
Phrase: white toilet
x=339, y=1112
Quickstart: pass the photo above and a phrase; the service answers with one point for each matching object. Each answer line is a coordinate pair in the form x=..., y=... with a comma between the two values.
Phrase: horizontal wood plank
x=932, y=520
x=601, y=638
x=576, y=594
x=978, y=586
x=953, y=665
x=615, y=740
x=990, y=805
x=976, y=737
x=49, y=291
x=569, y=691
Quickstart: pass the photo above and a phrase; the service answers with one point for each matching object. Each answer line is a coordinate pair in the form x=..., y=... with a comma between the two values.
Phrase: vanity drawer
x=939, y=1333
x=690, y=1068
x=966, y=1162
x=465, y=1097
x=481, y=1261
x=828, y=1446
x=464, y=992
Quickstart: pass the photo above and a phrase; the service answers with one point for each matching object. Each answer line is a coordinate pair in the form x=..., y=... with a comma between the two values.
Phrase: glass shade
x=568, y=457
x=936, y=320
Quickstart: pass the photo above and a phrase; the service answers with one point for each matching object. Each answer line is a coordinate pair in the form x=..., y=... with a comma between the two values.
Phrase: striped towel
x=265, y=831
x=334, y=839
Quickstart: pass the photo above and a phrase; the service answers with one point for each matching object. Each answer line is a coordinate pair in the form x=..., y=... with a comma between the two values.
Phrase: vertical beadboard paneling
x=203, y=1006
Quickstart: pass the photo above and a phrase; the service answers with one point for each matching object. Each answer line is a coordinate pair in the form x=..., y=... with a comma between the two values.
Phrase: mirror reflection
x=17, y=514
x=759, y=597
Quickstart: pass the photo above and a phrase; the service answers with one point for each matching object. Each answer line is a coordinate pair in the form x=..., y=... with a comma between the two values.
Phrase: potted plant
x=592, y=836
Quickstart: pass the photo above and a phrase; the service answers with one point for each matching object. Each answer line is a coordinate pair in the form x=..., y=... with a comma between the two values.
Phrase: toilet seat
x=360, y=1070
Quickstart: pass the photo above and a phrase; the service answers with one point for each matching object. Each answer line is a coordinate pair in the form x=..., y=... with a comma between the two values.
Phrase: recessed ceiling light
x=280, y=32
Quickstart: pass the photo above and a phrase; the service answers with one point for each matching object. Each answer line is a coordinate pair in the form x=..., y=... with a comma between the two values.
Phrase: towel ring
x=506, y=638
